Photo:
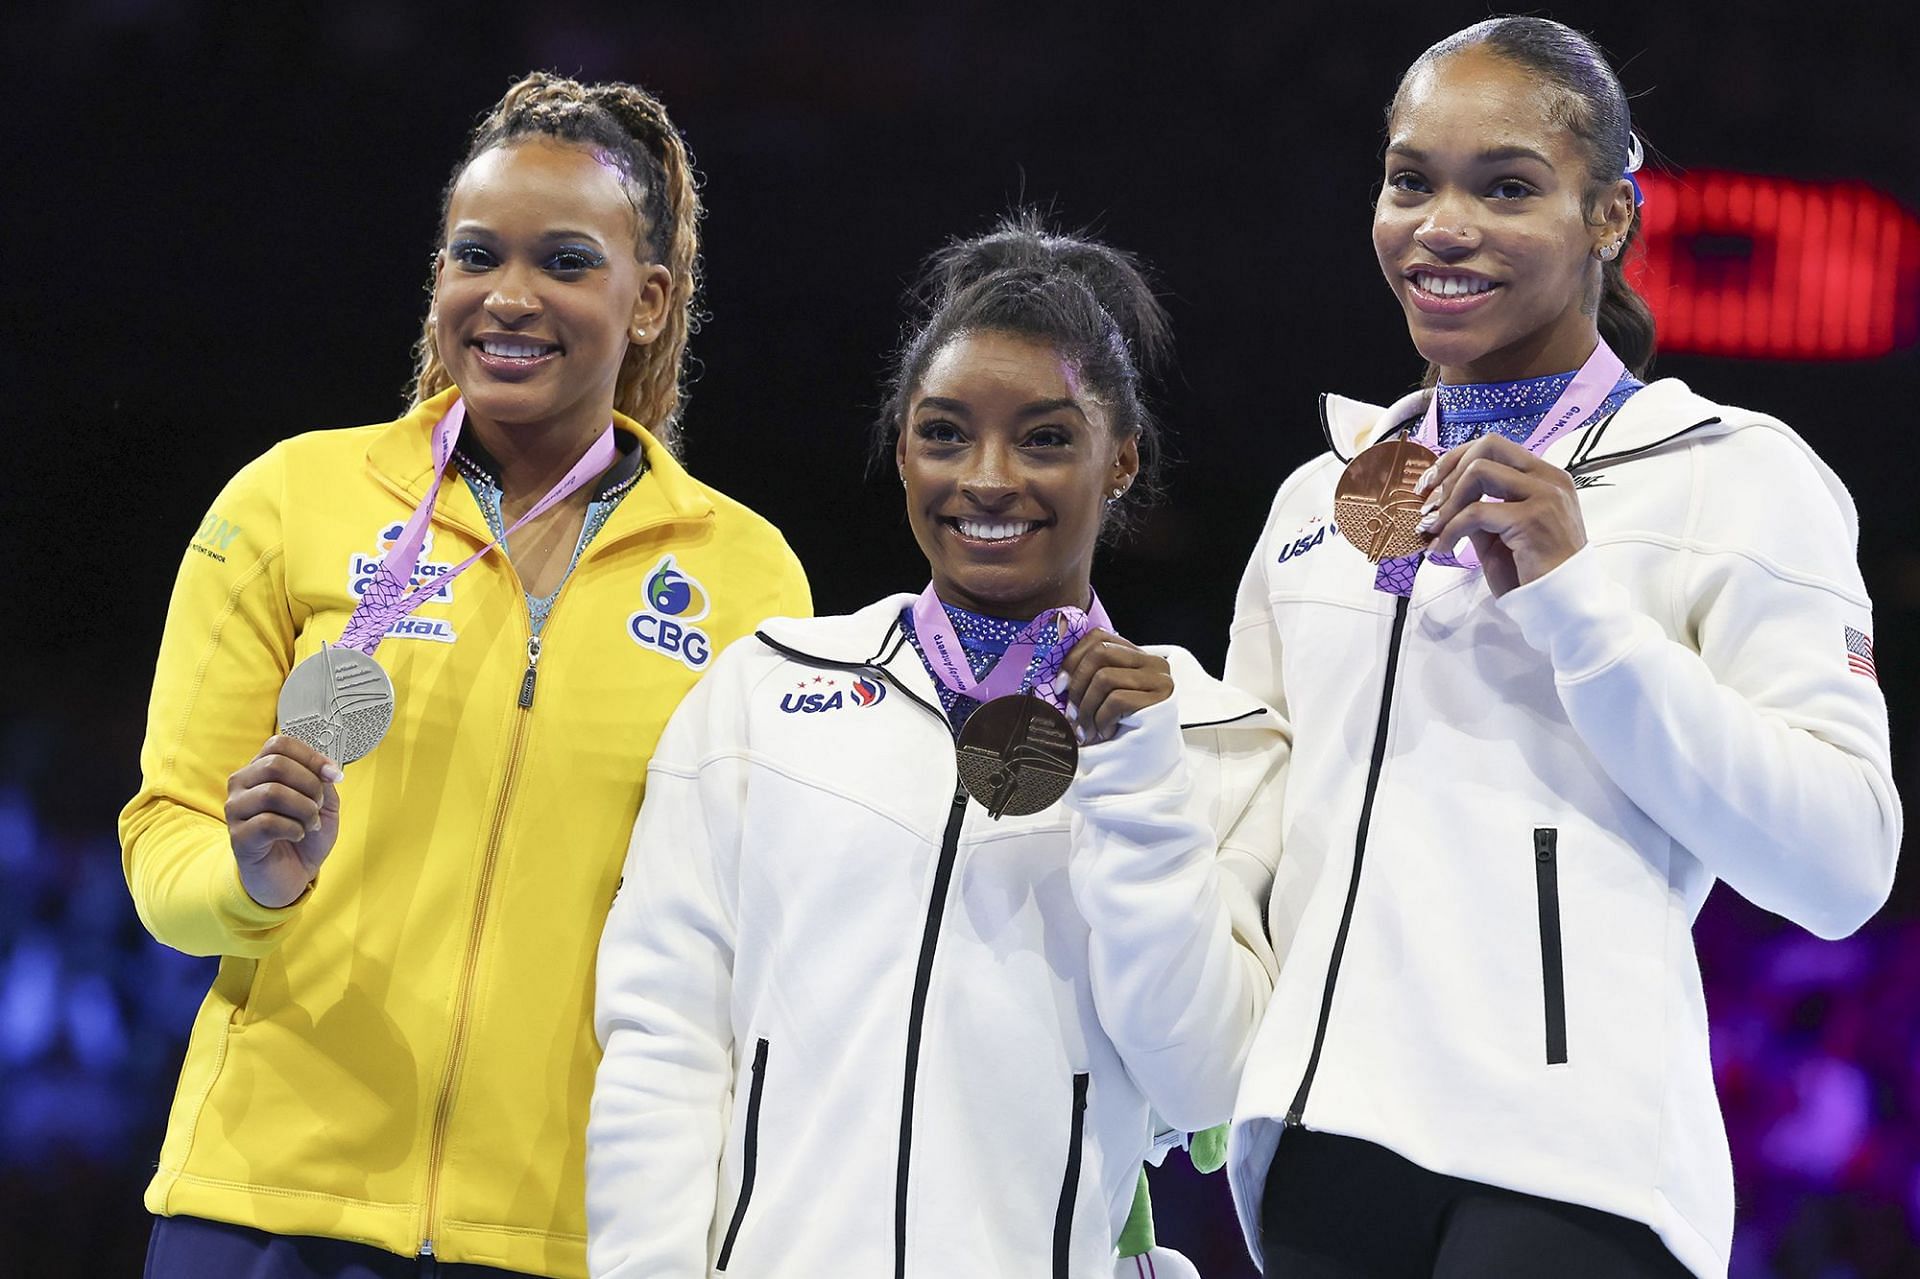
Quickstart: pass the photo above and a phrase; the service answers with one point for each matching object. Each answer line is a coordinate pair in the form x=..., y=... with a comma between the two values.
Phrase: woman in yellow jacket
x=397, y=1054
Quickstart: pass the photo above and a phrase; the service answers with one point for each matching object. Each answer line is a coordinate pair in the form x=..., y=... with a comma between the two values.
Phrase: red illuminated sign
x=1735, y=264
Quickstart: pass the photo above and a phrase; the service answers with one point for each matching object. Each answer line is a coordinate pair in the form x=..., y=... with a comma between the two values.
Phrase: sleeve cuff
x=243, y=914
x=1145, y=750
x=1578, y=617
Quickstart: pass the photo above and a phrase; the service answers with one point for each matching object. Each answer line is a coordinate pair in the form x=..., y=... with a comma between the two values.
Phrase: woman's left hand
x=1109, y=679
x=1531, y=530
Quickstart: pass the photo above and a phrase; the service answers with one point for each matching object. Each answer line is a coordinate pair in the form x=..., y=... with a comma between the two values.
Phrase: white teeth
x=994, y=532
x=1450, y=286
x=514, y=350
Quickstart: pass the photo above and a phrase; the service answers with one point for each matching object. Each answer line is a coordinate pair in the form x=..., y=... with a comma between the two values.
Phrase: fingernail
x=314, y=824
x=1427, y=521
x=331, y=772
x=1426, y=480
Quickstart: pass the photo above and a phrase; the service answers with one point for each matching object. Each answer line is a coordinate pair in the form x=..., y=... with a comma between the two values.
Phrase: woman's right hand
x=283, y=815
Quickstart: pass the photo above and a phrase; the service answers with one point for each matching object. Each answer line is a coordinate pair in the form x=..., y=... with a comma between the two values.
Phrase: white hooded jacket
x=1503, y=815
x=853, y=1026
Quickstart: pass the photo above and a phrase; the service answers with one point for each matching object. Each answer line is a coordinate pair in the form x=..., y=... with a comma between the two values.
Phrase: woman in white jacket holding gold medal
x=896, y=984
x=1579, y=647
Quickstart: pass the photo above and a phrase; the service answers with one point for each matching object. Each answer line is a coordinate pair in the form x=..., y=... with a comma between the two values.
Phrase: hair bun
x=1022, y=244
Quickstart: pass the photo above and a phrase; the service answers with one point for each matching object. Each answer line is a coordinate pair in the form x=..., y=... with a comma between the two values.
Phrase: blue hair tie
x=1636, y=156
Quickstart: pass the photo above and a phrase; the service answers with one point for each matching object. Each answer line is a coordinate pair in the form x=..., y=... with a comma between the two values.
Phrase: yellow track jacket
x=404, y=1056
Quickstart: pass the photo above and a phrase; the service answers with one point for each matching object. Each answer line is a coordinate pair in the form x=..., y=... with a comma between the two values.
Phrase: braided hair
x=1092, y=303
x=630, y=127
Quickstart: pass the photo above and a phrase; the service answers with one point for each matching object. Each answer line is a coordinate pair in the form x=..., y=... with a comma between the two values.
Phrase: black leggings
x=1341, y=1208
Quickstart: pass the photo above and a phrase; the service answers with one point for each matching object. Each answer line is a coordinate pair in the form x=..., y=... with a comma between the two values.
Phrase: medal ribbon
x=1574, y=408
x=1052, y=634
x=386, y=599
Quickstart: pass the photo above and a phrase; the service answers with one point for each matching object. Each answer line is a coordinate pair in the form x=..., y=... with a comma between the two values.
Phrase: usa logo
x=822, y=693
x=675, y=600
x=1304, y=543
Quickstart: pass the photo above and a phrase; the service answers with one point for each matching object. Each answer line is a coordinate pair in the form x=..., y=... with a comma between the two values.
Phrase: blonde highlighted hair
x=629, y=126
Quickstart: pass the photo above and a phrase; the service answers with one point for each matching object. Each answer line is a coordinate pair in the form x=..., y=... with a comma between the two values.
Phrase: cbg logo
x=819, y=694
x=675, y=600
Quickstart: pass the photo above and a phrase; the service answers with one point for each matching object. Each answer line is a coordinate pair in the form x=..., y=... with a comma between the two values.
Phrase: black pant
x=195, y=1248
x=1341, y=1208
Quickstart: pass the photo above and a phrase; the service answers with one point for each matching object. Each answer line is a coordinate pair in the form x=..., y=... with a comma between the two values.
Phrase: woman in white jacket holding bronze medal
x=933, y=907
x=1558, y=649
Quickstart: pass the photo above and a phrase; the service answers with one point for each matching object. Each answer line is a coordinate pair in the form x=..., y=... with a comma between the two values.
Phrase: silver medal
x=339, y=701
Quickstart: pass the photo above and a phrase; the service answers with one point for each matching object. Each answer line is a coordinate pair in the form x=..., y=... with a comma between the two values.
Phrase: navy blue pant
x=1341, y=1208
x=195, y=1248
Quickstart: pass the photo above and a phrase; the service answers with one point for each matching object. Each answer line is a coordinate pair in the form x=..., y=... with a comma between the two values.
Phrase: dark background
x=219, y=220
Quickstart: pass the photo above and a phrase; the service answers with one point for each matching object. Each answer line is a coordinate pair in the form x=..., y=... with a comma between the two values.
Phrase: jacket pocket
x=1553, y=980
x=750, y=1152
x=1070, y=1183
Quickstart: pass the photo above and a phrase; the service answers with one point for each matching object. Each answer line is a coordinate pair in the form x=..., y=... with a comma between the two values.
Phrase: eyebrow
x=475, y=228
x=1492, y=155
x=1036, y=408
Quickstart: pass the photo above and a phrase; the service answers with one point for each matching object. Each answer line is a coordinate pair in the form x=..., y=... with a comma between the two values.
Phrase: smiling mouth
x=1450, y=288
x=522, y=353
x=992, y=531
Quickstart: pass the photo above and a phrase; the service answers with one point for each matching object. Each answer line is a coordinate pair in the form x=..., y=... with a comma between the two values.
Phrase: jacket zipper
x=1297, y=1109
x=750, y=1149
x=916, y=1015
x=509, y=778
x=1546, y=879
x=1070, y=1183
x=533, y=672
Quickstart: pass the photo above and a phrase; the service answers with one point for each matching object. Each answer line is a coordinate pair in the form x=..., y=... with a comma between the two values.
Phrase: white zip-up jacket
x=853, y=1026
x=1504, y=814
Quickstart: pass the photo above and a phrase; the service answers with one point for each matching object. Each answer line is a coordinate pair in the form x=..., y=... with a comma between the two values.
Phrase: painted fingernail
x=1427, y=521
x=331, y=772
x=1427, y=478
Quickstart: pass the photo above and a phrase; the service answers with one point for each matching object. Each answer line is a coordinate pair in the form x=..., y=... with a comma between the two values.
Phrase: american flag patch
x=1860, y=654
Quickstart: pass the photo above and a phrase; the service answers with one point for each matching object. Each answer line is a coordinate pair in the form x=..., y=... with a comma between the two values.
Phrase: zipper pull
x=426, y=1248
x=533, y=672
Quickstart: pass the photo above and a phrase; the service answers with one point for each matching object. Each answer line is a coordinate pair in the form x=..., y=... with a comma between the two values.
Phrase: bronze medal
x=1374, y=505
x=1017, y=755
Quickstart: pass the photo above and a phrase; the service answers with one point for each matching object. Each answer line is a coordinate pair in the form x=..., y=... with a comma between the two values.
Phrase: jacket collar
x=873, y=638
x=401, y=456
x=1662, y=413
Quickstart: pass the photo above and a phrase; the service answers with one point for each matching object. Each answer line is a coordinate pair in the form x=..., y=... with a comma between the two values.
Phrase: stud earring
x=639, y=335
x=1607, y=252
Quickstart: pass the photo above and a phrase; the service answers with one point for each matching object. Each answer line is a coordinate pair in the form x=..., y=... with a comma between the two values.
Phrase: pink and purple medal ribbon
x=386, y=599
x=1575, y=406
x=1052, y=635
